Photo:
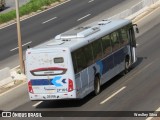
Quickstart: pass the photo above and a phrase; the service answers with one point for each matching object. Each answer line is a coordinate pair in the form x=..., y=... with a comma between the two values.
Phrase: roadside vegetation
x=31, y=6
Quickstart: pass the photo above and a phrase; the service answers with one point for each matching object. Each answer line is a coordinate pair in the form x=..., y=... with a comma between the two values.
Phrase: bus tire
x=127, y=65
x=97, y=85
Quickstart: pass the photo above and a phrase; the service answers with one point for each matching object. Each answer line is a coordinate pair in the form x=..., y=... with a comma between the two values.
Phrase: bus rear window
x=58, y=60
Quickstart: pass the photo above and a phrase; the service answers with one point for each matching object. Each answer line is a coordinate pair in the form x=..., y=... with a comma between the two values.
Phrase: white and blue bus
x=80, y=60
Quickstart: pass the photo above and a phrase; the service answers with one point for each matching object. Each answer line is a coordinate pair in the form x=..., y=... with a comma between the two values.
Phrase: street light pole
x=19, y=38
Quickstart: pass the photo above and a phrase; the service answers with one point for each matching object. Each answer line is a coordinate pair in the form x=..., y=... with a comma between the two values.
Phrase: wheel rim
x=127, y=65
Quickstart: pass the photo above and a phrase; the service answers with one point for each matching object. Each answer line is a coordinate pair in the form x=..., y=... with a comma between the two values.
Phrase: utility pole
x=19, y=37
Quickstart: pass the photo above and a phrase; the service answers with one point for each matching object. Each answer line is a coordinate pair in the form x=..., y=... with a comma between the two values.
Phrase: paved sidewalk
x=10, y=5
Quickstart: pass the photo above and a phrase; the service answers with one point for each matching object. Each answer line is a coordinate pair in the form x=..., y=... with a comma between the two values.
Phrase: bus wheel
x=127, y=66
x=96, y=85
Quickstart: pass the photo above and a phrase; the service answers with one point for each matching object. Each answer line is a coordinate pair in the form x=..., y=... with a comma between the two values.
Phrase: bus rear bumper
x=58, y=96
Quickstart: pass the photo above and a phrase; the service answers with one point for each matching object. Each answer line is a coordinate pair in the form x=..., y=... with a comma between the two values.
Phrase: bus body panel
x=107, y=67
x=88, y=79
x=49, y=75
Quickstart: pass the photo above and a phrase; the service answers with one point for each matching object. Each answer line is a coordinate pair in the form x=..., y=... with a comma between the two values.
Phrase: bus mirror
x=137, y=30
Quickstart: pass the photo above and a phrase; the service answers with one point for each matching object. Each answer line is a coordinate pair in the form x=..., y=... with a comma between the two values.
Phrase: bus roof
x=81, y=36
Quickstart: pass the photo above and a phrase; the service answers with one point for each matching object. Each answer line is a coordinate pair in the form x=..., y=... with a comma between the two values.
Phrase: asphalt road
x=45, y=26
x=136, y=91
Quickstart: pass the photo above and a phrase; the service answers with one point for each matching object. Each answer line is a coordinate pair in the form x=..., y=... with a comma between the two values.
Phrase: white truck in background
x=2, y=4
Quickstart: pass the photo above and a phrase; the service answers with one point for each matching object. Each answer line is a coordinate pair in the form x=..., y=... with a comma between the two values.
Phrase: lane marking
x=49, y=20
x=107, y=99
x=91, y=1
x=83, y=17
x=37, y=13
x=37, y=104
x=149, y=118
x=22, y=46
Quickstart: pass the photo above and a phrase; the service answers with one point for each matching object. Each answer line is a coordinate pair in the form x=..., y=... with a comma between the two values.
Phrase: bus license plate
x=51, y=96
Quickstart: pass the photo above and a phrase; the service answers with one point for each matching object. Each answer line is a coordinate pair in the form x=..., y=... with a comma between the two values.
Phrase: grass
x=31, y=6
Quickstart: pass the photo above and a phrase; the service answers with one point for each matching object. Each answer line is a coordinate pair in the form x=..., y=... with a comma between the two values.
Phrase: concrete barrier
x=136, y=9
x=8, y=75
x=4, y=73
x=5, y=76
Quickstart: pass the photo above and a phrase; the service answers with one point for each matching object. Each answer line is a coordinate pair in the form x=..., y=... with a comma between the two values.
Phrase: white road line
x=49, y=20
x=150, y=118
x=37, y=13
x=112, y=95
x=91, y=1
x=22, y=46
x=37, y=104
x=83, y=17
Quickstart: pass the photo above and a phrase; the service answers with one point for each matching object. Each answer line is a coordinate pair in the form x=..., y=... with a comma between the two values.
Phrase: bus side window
x=106, y=43
x=81, y=61
x=115, y=41
x=74, y=61
x=88, y=53
x=123, y=37
x=97, y=50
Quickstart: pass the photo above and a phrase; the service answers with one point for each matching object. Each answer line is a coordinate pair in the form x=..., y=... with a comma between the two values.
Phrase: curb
x=7, y=99
x=146, y=13
x=5, y=77
x=11, y=90
x=9, y=76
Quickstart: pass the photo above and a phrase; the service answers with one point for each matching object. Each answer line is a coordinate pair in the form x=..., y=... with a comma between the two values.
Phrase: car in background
x=2, y=4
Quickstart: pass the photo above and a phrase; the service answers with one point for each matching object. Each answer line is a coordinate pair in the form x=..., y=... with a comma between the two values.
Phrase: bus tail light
x=70, y=85
x=30, y=87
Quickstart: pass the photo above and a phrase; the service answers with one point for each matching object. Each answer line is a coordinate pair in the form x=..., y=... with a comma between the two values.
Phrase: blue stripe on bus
x=41, y=82
x=111, y=61
x=101, y=66
x=54, y=81
x=108, y=64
